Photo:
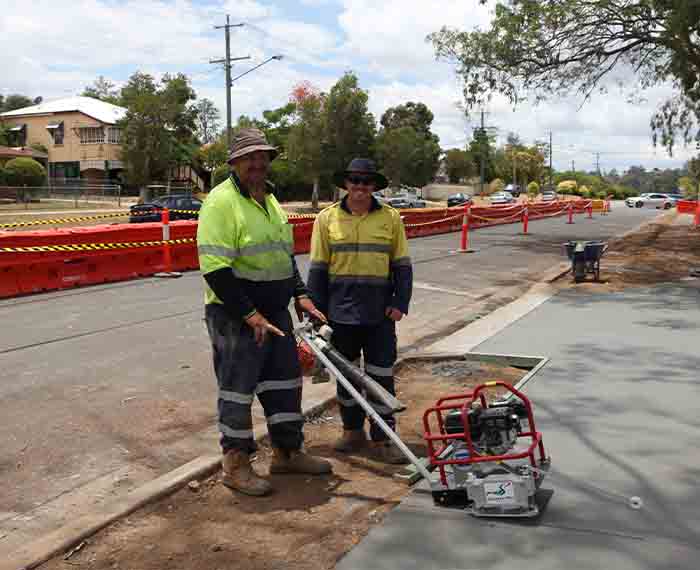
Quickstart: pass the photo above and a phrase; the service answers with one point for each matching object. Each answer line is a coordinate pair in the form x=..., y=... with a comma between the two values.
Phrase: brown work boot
x=287, y=461
x=387, y=452
x=238, y=474
x=351, y=440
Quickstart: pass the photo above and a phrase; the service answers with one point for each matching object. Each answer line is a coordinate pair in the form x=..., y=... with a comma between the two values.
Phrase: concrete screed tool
x=489, y=455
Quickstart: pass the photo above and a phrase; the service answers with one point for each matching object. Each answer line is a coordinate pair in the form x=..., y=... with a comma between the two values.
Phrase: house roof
x=103, y=112
x=6, y=151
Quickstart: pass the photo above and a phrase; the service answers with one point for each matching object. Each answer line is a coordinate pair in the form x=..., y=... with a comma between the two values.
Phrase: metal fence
x=80, y=196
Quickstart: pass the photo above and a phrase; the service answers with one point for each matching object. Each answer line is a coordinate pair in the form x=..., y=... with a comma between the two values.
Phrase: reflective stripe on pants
x=377, y=344
x=244, y=370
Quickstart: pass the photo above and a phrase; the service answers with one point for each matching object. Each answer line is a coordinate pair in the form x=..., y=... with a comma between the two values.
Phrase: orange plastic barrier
x=79, y=263
x=686, y=206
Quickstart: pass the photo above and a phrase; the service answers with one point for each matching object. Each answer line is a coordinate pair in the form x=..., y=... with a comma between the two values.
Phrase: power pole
x=573, y=167
x=597, y=162
x=480, y=134
x=551, y=152
x=227, y=67
x=482, y=152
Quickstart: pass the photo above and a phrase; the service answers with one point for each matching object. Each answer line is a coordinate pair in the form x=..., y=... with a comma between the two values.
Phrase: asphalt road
x=104, y=388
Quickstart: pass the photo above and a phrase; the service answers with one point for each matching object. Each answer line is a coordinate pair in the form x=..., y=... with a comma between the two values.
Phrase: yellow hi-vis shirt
x=360, y=265
x=236, y=232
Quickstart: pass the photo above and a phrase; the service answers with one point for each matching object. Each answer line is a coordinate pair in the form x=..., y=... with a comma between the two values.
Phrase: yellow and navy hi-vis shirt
x=359, y=264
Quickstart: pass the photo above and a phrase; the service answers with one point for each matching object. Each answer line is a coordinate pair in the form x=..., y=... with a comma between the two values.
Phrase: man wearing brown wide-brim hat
x=245, y=248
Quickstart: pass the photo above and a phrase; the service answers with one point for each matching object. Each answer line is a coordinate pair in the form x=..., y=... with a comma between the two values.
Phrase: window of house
x=92, y=135
x=18, y=135
x=56, y=131
x=114, y=135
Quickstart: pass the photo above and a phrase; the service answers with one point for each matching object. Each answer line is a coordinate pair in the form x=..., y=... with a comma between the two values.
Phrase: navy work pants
x=377, y=345
x=244, y=370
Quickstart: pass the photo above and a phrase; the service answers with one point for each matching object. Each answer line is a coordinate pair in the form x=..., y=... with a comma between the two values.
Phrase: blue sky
x=55, y=48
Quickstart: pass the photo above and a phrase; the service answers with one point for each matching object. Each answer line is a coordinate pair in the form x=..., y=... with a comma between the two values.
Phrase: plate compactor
x=489, y=455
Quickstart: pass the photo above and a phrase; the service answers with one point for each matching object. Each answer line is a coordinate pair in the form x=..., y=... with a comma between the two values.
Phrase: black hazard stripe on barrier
x=62, y=220
x=93, y=246
x=89, y=218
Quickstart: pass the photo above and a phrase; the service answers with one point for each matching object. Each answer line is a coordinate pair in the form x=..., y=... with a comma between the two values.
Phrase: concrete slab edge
x=61, y=540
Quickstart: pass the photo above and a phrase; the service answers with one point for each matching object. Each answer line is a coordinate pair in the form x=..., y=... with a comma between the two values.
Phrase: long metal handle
x=366, y=406
x=369, y=383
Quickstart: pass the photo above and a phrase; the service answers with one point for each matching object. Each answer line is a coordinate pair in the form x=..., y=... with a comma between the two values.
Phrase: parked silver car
x=501, y=198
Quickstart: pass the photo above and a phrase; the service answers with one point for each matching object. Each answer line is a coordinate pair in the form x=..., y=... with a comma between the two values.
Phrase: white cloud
x=72, y=42
x=390, y=35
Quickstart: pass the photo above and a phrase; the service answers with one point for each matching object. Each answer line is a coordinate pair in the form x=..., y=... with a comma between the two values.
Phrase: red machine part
x=464, y=402
x=307, y=358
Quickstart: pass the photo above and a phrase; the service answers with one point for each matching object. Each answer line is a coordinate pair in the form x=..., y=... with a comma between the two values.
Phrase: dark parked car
x=458, y=199
x=185, y=208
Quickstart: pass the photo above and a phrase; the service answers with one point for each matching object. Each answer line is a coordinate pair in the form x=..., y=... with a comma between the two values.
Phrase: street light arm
x=269, y=59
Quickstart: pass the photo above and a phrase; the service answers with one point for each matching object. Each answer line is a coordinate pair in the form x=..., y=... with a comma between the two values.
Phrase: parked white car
x=548, y=196
x=651, y=200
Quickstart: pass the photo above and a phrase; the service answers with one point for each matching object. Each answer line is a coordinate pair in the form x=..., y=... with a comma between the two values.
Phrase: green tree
x=409, y=124
x=533, y=189
x=567, y=187
x=407, y=156
x=350, y=127
x=459, y=165
x=496, y=185
x=688, y=187
x=39, y=147
x=414, y=115
x=483, y=148
x=220, y=174
x=104, y=90
x=546, y=48
x=207, y=121
x=305, y=141
x=4, y=135
x=158, y=127
x=24, y=171
x=16, y=101
x=213, y=154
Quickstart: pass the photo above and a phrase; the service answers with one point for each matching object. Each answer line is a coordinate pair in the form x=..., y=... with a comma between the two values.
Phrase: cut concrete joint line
x=470, y=337
x=40, y=551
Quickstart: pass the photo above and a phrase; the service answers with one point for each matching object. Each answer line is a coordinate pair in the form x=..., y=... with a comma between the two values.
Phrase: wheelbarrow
x=585, y=258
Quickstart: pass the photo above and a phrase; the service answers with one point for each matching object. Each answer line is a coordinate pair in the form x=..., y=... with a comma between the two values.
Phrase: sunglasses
x=358, y=179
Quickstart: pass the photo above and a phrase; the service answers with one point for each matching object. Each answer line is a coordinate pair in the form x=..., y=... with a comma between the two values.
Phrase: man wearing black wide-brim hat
x=361, y=277
x=245, y=250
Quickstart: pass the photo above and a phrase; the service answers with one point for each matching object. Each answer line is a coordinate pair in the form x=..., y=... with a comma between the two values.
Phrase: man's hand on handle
x=306, y=305
x=394, y=314
x=261, y=328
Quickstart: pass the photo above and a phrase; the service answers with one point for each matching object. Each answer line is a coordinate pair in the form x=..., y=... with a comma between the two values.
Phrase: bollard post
x=167, y=258
x=590, y=210
x=526, y=219
x=571, y=213
x=464, y=246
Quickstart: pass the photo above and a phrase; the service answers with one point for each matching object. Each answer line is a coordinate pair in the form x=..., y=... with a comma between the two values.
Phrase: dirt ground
x=665, y=250
x=308, y=523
